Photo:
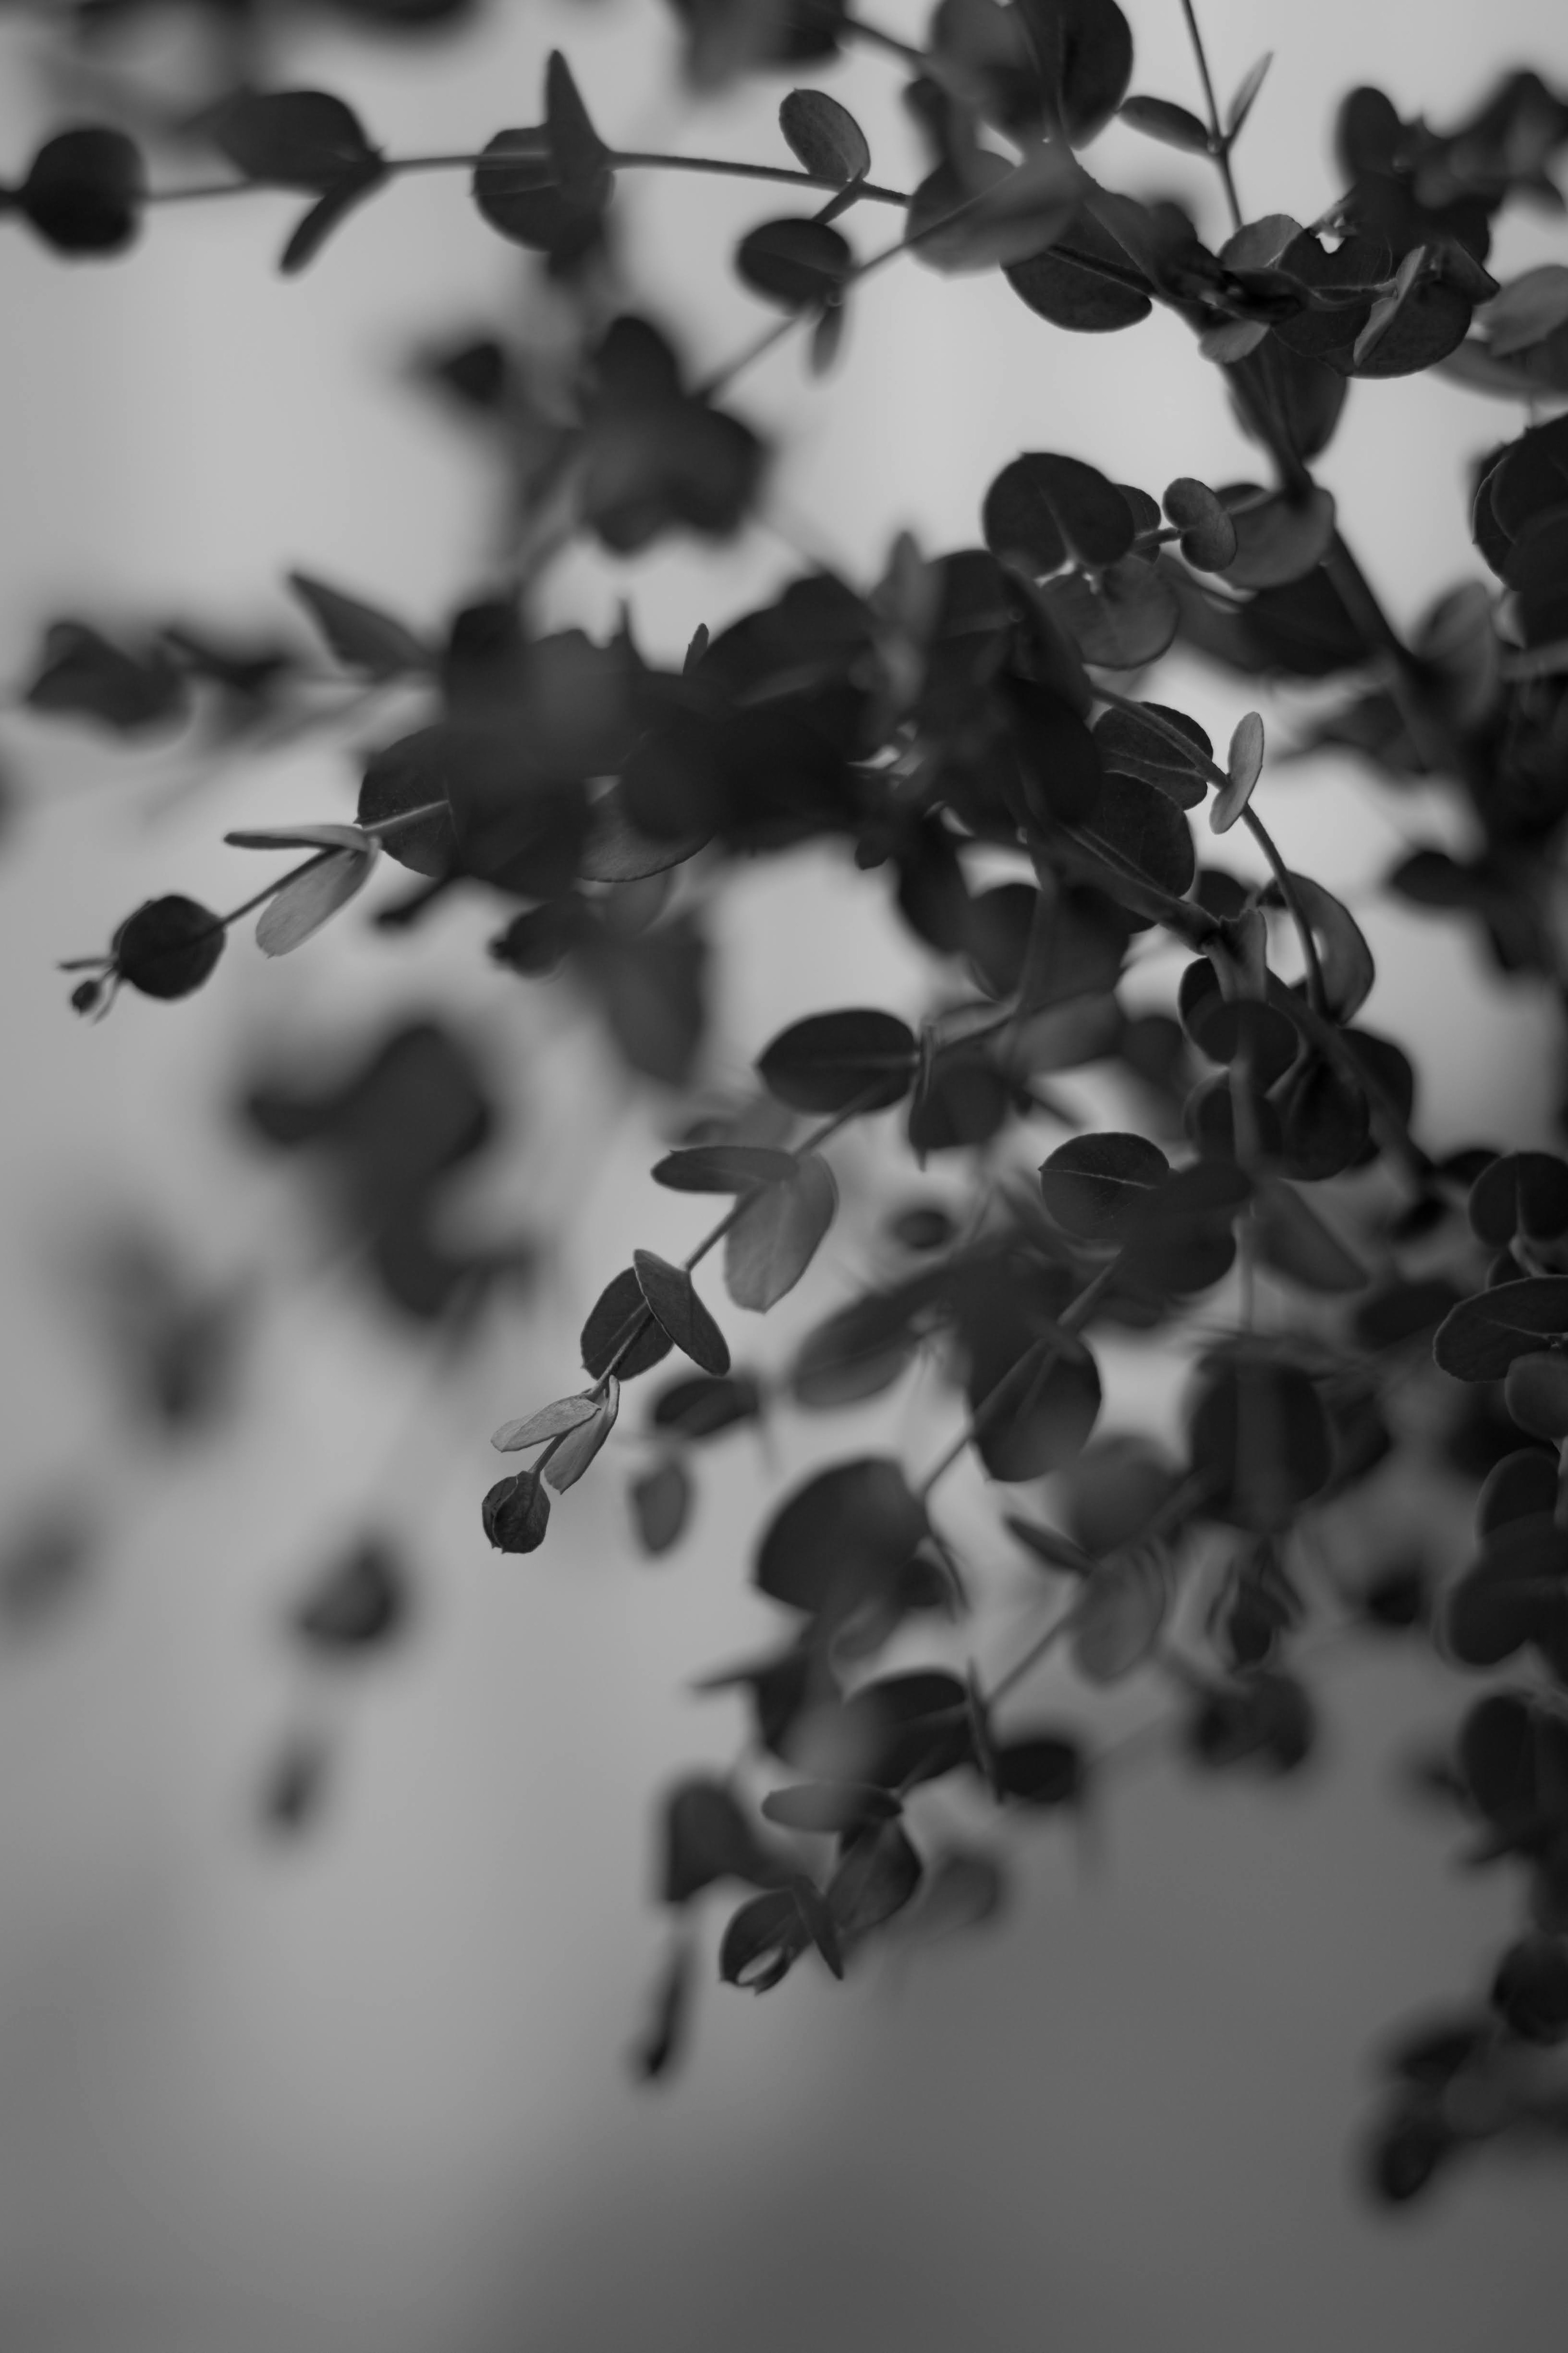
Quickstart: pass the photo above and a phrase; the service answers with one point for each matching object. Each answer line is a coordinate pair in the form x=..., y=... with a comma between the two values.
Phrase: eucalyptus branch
x=819, y=1136
x=1020, y=1372
x=500, y=160
x=1288, y=893
x=1218, y=144
x=856, y=29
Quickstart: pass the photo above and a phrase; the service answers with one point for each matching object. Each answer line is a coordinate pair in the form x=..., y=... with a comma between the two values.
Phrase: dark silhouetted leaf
x=1148, y=832
x=1092, y=1183
x=763, y=1942
x=293, y=139
x=1040, y=1415
x=672, y=1299
x=84, y=191
x=1044, y=1769
x=842, y=1538
x=1478, y=1340
x=1045, y=511
x=723, y=1168
x=1279, y=539
x=1520, y=1193
x=1208, y=535
x=1536, y=1394
x=1084, y=282
x=992, y=212
x=661, y=1505
x=85, y=675
x=1173, y=126
x=1124, y=618
x=706, y=1837
x=796, y=261
x=621, y=1316
x=835, y=1060
x=1260, y=1441
x=825, y=136
x=1084, y=49
x=361, y=636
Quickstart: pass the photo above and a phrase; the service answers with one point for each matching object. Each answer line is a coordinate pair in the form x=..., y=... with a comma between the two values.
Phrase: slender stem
x=875, y=39
x=1288, y=891
x=200, y=192
x=501, y=161
x=852, y=277
x=1220, y=144
x=309, y=866
x=711, y=387
x=829, y=1127
x=1031, y=1658
x=1174, y=1508
x=1077, y=1313
x=867, y=189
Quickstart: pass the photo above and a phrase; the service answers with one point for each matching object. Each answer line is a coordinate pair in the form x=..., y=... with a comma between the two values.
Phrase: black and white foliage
x=978, y=732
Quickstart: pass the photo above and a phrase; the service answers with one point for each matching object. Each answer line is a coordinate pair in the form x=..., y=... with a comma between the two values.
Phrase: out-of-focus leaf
x=776, y=1232
x=661, y=1505
x=362, y=636
x=1118, y=1617
x=298, y=911
x=841, y=1538
x=832, y=1061
x=1478, y=1340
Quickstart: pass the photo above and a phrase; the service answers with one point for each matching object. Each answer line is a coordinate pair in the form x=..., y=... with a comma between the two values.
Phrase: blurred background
x=368, y=2087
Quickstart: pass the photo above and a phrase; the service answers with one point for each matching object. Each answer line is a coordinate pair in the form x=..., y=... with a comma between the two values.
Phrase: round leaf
x=1244, y=765
x=1045, y=511
x=1478, y=1340
x=841, y=1538
x=1093, y=1184
x=835, y=1060
x=1208, y=535
x=797, y=262
x=825, y=135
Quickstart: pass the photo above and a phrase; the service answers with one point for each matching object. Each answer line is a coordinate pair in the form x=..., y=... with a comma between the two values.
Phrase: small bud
x=517, y=1513
x=86, y=996
x=168, y=947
